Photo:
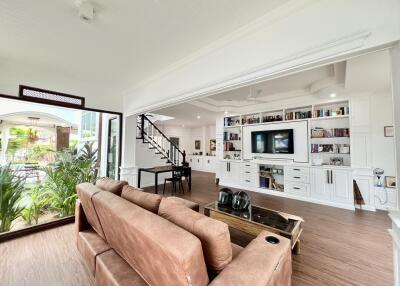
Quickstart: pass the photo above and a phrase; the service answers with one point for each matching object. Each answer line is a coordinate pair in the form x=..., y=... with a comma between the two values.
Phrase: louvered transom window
x=46, y=96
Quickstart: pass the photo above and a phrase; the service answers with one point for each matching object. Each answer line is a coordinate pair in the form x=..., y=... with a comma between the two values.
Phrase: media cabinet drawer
x=297, y=170
x=250, y=182
x=297, y=177
x=297, y=189
x=249, y=167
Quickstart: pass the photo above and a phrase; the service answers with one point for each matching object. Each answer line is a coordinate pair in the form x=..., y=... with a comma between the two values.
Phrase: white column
x=128, y=166
x=395, y=215
x=5, y=135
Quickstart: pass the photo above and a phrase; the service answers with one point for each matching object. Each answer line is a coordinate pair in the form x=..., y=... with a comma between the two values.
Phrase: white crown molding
x=266, y=20
x=274, y=69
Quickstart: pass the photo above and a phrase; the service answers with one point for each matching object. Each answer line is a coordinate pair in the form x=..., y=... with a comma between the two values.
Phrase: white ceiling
x=297, y=81
x=128, y=41
x=369, y=73
x=185, y=114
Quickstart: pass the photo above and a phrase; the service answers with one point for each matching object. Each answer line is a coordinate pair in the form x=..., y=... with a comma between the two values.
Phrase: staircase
x=157, y=141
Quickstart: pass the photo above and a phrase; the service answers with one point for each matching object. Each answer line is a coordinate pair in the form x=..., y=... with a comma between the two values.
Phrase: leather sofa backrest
x=148, y=201
x=85, y=192
x=111, y=185
x=161, y=252
x=213, y=234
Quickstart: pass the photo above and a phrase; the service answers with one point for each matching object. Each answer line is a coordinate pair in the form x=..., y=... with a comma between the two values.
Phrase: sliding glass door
x=112, y=148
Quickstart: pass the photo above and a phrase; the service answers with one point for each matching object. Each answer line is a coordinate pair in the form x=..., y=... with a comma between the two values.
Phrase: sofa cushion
x=161, y=252
x=86, y=191
x=189, y=204
x=148, y=201
x=112, y=270
x=111, y=185
x=90, y=244
x=214, y=235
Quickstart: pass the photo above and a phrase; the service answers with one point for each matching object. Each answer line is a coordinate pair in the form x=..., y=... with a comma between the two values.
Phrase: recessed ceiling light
x=198, y=116
x=226, y=112
x=332, y=95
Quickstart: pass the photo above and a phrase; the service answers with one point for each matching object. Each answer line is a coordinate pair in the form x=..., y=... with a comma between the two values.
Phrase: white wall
x=187, y=136
x=12, y=74
x=382, y=148
x=181, y=132
x=291, y=37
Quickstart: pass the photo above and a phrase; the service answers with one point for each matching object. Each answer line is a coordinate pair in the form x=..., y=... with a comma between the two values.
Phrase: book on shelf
x=327, y=112
x=228, y=121
x=229, y=136
x=228, y=146
x=298, y=115
x=326, y=133
x=265, y=182
x=330, y=148
x=272, y=118
x=251, y=119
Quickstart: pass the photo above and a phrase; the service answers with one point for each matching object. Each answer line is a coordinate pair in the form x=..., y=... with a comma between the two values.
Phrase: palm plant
x=11, y=189
x=63, y=175
x=88, y=152
x=34, y=201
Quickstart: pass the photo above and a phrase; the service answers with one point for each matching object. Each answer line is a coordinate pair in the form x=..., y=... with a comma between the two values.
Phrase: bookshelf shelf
x=329, y=117
x=331, y=137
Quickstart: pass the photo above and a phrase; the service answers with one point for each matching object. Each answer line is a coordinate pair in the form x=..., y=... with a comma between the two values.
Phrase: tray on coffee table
x=256, y=219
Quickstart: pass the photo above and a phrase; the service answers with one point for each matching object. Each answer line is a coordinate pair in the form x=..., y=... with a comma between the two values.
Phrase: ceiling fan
x=254, y=93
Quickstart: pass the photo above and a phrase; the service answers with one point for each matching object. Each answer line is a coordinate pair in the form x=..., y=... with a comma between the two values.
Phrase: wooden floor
x=339, y=247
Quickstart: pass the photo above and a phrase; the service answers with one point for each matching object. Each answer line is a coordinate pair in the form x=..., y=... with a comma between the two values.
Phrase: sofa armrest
x=81, y=222
x=259, y=264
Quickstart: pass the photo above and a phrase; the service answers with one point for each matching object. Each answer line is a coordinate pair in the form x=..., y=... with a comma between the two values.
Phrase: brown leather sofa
x=143, y=239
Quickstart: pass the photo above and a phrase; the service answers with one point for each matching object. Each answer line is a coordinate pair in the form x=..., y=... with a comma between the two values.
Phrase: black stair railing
x=151, y=134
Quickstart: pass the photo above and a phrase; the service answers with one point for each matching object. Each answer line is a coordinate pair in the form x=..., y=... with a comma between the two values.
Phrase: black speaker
x=240, y=201
x=225, y=198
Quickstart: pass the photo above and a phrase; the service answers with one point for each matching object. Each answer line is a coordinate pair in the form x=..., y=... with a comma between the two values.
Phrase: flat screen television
x=272, y=141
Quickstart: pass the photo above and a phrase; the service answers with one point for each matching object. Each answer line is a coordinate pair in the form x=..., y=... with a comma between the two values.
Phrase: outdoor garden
x=52, y=195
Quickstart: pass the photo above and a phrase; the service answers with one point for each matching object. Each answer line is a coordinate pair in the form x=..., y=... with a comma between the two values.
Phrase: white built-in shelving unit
x=331, y=117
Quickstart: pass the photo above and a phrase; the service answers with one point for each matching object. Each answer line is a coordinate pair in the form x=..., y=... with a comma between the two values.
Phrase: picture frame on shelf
x=213, y=145
x=390, y=182
x=197, y=144
x=389, y=131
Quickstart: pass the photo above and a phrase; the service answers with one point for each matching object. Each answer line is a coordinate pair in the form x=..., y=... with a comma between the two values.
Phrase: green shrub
x=33, y=201
x=11, y=189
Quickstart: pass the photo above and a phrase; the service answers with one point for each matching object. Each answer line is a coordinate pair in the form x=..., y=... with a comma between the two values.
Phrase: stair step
x=152, y=147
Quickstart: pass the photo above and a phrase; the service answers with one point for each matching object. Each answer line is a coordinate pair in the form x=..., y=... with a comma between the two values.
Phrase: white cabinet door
x=209, y=164
x=342, y=186
x=222, y=172
x=234, y=172
x=200, y=163
x=189, y=159
x=366, y=185
x=320, y=184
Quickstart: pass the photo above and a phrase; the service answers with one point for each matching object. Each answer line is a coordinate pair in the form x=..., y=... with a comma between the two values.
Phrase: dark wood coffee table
x=256, y=219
